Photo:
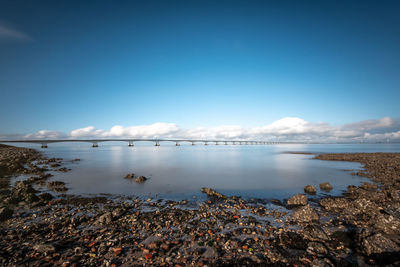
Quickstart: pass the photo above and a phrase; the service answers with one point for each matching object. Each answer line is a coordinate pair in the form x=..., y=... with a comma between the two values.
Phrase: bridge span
x=95, y=142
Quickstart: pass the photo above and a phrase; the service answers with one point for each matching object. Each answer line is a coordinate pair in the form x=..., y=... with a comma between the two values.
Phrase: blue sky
x=71, y=64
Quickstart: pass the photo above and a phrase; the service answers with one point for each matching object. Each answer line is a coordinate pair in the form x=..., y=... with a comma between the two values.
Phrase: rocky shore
x=360, y=228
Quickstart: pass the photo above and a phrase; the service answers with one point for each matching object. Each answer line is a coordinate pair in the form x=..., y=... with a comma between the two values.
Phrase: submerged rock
x=130, y=176
x=309, y=189
x=326, y=186
x=141, y=179
x=297, y=200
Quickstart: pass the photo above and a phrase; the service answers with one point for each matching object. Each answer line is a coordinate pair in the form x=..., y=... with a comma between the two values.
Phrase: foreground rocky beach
x=360, y=228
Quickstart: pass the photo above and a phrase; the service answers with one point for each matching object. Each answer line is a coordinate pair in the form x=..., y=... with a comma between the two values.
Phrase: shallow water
x=251, y=171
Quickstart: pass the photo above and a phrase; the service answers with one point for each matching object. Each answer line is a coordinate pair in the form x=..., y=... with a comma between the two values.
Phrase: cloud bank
x=285, y=129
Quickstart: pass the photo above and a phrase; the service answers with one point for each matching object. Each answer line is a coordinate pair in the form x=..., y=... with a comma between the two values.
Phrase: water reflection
x=180, y=172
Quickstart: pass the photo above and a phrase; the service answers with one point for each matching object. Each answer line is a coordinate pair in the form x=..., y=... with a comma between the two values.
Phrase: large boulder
x=297, y=200
x=311, y=190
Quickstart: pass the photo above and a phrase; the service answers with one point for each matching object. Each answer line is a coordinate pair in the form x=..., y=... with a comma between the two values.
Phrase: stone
x=44, y=248
x=130, y=176
x=315, y=232
x=309, y=189
x=297, y=200
x=378, y=243
x=212, y=193
x=106, y=218
x=57, y=186
x=326, y=186
x=369, y=186
x=305, y=214
x=317, y=248
x=140, y=179
x=5, y=213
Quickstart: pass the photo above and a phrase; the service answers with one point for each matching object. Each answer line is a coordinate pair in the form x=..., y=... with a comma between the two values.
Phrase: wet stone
x=5, y=213
x=304, y=214
x=212, y=193
x=44, y=248
x=369, y=186
x=317, y=248
x=130, y=176
x=297, y=200
x=326, y=186
x=141, y=179
x=310, y=189
x=379, y=243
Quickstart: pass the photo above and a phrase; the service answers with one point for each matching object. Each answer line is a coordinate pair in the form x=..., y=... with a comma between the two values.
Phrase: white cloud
x=10, y=33
x=285, y=129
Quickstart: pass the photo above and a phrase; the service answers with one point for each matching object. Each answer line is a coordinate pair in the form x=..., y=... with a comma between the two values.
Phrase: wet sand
x=359, y=228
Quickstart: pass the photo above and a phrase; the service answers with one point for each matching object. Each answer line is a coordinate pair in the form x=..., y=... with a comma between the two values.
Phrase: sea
x=179, y=172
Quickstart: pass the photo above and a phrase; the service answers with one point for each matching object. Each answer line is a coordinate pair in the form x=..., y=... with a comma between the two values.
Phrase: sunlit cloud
x=285, y=129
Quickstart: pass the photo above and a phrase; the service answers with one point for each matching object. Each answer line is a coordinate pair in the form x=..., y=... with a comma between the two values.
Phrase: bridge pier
x=44, y=145
x=157, y=143
x=130, y=143
x=216, y=143
x=95, y=145
x=226, y=143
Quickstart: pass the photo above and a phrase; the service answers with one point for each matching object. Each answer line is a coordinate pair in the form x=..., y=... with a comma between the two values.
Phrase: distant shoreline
x=361, y=226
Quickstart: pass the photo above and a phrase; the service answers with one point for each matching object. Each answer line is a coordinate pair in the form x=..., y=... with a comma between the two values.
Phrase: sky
x=320, y=70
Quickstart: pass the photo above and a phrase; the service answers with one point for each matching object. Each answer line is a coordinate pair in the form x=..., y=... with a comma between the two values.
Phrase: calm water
x=180, y=172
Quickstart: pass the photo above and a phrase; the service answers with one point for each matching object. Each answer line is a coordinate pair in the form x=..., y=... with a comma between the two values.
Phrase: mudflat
x=361, y=227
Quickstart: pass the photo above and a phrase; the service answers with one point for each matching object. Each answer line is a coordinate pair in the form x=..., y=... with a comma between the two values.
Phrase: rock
x=297, y=200
x=44, y=248
x=334, y=204
x=305, y=214
x=322, y=263
x=317, y=248
x=106, y=218
x=212, y=193
x=315, y=232
x=326, y=186
x=46, y=196
x=130, y=176
x=118, y=212
x=377, y=244
x=5, y=213
x=57, y=186
x=141, y=179
x=369, y=186
x=309, y=189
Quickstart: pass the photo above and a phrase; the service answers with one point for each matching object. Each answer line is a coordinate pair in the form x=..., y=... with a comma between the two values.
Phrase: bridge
x=95, y=142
